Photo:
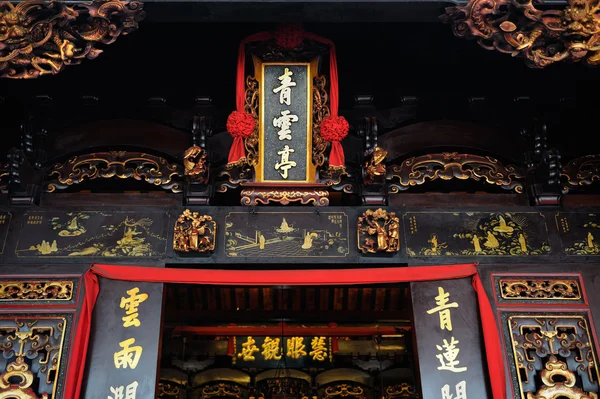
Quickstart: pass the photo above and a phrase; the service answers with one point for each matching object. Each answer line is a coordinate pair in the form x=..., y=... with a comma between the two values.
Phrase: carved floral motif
x=42, y=37
x=122, y=164
x=221, y=390
x=194, y=232
x=36, y=290
x=513, y=288
x=252, y=197
x=402, y=390
x=519, y=28
x=378, y=231
x=447, y=166
x=320, y=112
x=344, y=390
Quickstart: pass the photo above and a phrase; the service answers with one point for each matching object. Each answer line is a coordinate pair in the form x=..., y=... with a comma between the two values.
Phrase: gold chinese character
x=130, y=391
x=248, y=349
x=284, y=123
x=448, y=357
x=295, y=347
x=461, y=391
x=285, y=163
x=319, y=348
x=271, y=348
x=129, y=356
x=285, y=88
x=130, y=305
x=444, y=308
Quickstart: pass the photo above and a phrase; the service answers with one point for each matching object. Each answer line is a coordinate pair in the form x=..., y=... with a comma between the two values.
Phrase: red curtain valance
x=79, y=347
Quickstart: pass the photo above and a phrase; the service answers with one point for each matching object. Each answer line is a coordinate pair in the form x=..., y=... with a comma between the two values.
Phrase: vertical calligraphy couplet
x=123, y=352
x=285, y=122
x=449, y=341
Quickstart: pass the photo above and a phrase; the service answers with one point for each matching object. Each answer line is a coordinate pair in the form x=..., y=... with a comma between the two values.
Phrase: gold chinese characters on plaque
x=378, y=231
x=285, y=122
x=194, y=232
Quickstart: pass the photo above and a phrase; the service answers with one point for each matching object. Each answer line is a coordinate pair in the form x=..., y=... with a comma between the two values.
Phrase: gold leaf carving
x=378, y=231
x=582, y=171
x=512, y=288
x=122, y=164
x=34, y=290
x=344, y=390
x=39, y=37
x=447, y=166
x=251, y=197
x=194, y=232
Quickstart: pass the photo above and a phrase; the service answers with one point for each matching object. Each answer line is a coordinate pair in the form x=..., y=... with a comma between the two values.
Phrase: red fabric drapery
x=237, y=151
x=283, y=277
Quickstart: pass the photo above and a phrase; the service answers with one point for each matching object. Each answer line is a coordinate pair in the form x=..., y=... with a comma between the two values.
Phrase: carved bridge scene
x=299, y=200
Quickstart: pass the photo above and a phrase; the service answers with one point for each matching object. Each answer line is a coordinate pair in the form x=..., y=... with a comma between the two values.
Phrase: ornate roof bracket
x=540, y=37
x=452, y=165
x=39, y=38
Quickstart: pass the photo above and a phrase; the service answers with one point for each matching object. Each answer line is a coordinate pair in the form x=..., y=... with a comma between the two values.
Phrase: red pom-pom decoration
x=289, y=36
x=240, y=124
x=334, y=128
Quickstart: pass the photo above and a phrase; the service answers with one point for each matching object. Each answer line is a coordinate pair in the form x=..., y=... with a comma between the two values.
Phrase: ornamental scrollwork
x=582, y=171
x=194, y=164
x=3, y=178
x=320, y=112
x=344, y=390
x=42, y=37
x=402, y=390
x=553, y=355
x=513, y=288
x=31, y=355
x=559, y=382
x=378, y=231
x=540, y=36
x=252, y=197
x=167, y=390
x=194, y=232
x=149, y=168
x=451, y=165
x=31, y=290
x=221, y=390
x=251, y=106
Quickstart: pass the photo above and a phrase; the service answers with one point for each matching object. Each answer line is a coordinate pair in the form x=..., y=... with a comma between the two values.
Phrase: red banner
x=277, y=278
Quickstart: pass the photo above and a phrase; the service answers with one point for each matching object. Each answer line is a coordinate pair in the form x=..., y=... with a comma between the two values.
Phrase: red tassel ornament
x=334, y=128
x=240, y=125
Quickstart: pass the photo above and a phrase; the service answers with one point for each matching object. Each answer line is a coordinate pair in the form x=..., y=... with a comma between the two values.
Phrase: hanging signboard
x=285, y=122
x=268, y=352
x=448, y=339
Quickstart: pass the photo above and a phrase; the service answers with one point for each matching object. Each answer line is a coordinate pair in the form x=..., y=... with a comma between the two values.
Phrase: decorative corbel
x=42, y=37
x=373, y=169
x=540, y=36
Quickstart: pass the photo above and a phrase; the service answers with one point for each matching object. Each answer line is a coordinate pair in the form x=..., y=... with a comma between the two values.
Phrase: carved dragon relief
x=42, y=37
x=541, y=37
x=122, y=164
x=447, y=166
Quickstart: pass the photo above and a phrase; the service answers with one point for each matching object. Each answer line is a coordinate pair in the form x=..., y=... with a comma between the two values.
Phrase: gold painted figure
x=476, y=243
x=194, y=163
x=375, y=169
x=590, y=239
x=194, y=232
x=308, y=239
x=378, y=231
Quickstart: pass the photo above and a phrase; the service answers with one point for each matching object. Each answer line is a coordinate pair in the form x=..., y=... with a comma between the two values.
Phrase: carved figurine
x=194, y=162
x=194, y=232
x=378, y=231
x=375, y=169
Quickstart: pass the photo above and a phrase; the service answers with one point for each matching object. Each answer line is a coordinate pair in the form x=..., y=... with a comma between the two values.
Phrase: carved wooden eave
x=540, y=37
x=581, y=172
x=39, y=38
x=452, y=165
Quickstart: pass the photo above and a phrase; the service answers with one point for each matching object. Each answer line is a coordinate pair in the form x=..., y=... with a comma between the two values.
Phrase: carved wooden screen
x=551, y=354
x=35, y=331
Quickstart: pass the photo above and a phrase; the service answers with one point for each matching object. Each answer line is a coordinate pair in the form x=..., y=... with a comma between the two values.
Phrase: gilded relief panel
x=476, y=234
x=551, y=356
x=579, y=233
x=538, y=289
x=4, y=224
x=33, y=360
x=57, y=291
x=286, y=234
x=93, y=234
